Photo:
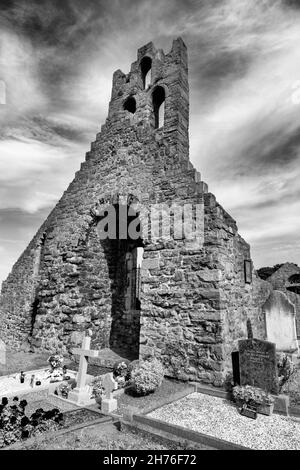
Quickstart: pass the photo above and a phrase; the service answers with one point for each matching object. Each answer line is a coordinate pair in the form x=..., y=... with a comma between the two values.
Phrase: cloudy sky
x=56, y=61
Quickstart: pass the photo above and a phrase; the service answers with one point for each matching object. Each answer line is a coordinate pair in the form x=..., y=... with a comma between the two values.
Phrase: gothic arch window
x=130, y=105
x=146, y=65
x=158, y=99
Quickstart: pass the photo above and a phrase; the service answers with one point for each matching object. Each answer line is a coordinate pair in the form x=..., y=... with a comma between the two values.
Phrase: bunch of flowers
x=121, y=372
x=97, y=387
x=15, y=425
x=55, y=361
x=64, y=389
x=252, y=395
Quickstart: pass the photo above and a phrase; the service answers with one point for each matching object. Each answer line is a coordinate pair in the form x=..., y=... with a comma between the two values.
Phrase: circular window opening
x=130, y=105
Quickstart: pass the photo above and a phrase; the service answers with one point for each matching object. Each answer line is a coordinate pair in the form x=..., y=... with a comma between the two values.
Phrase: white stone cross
x=81, y=394
x=84, y=353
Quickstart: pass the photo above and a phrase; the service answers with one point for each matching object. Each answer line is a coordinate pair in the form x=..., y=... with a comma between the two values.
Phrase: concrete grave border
x=137, y=417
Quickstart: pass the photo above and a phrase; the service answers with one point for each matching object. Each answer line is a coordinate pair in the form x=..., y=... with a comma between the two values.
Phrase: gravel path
x=219, y=418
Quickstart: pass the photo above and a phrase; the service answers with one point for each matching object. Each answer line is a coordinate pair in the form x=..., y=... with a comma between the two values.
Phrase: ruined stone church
x=187, y=305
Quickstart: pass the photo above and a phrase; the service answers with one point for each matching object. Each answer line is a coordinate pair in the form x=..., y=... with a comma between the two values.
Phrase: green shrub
x=286, y=368
x=147, y=376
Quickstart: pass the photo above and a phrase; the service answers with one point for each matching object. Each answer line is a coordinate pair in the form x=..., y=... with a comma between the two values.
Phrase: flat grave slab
x=10, y=384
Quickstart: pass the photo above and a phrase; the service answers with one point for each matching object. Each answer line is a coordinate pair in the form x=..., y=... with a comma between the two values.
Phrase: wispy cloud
x=57, y=58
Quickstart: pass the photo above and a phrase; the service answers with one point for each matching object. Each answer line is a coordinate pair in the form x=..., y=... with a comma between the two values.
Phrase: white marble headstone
x=109, y=385
x=109, y=403
x=280, y=321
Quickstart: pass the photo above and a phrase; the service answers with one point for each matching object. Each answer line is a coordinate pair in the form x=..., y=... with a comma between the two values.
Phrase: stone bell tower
x=156, y=293
x=166, y=87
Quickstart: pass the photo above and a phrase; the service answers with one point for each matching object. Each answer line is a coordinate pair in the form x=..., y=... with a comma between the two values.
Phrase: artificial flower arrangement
x=252, y=395
x=97, y=388
x=121, y=372
x=56, y=371
x=63, y=390
x=55, y=361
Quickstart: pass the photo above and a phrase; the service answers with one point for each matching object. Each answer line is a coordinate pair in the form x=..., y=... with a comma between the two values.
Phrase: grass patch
x=17, y=361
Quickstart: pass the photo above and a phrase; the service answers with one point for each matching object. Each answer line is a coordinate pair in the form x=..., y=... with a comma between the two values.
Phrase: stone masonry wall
x=197, y=302
x=194, y=301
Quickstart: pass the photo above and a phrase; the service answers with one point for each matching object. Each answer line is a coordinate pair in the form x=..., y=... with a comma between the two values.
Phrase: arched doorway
x=123, y=248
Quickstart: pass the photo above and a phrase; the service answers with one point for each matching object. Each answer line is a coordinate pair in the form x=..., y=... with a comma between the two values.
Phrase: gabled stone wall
x=194, y=300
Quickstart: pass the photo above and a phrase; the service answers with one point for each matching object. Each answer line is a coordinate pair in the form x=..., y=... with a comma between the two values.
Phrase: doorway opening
x=124, y=256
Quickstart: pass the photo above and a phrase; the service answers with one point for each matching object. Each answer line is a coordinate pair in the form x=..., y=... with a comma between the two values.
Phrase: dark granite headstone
x=258, y=364
x=236, y=367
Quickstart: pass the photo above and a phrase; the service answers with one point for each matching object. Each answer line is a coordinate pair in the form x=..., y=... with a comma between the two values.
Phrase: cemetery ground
x=109, y=434
x=174, y=403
